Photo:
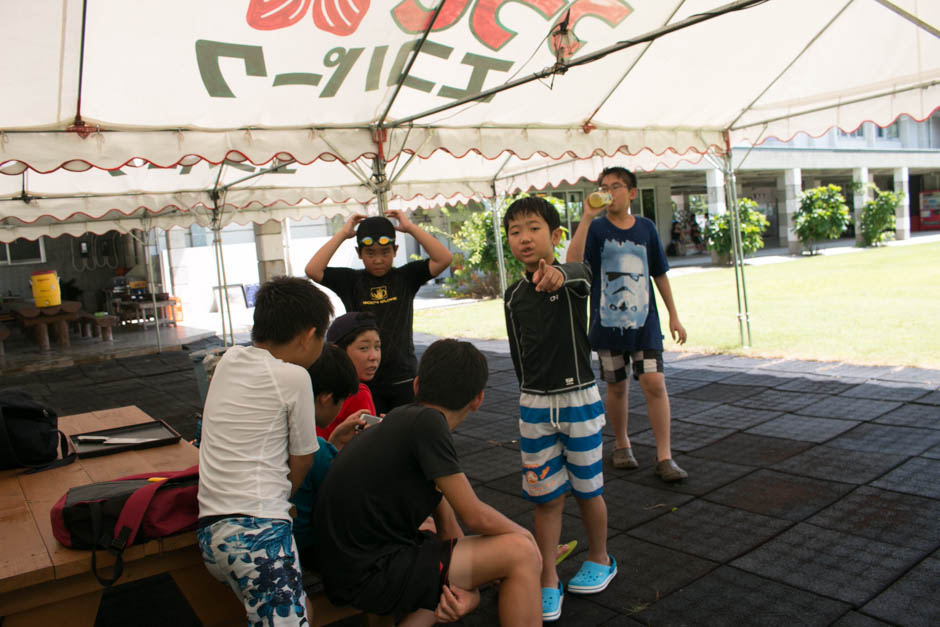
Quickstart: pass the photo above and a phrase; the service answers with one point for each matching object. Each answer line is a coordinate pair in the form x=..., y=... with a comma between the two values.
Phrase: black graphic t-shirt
x=391, y=299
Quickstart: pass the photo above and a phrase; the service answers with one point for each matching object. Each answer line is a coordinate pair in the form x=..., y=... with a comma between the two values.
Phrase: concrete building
x=903, y=157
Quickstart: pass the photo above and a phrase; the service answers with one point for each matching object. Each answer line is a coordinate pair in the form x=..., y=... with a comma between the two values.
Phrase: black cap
x=348, y=324
x=373, y=229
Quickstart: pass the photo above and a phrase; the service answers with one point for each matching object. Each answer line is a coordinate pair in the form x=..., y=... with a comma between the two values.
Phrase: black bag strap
x=96, y=531
x=66, y=458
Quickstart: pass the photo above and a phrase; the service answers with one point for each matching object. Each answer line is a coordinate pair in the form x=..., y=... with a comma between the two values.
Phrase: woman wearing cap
x=358, y=334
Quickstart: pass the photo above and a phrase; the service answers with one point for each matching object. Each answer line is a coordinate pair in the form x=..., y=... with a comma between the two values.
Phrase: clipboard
x=158, y=432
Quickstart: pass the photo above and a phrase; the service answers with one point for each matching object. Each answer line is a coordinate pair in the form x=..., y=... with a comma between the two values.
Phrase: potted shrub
x=822, y=215
x=475, y=271
x=877, y=219
x=753, y=225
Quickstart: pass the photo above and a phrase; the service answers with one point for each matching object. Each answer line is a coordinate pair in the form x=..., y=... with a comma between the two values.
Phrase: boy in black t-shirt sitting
x=388, y=479
x=386, y=291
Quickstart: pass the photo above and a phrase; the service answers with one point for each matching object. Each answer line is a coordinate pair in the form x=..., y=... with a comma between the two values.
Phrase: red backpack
x=131, y=510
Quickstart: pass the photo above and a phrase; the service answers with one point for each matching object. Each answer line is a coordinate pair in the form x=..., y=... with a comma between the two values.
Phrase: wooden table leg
x=213, y=602
x=77, y=611
x=42, y=336
x=62, y=333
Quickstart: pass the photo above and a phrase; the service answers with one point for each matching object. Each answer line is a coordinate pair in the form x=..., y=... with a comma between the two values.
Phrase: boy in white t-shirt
x=258, y=441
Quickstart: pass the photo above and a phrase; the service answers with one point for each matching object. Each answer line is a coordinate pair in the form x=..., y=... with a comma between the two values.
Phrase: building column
x=859, y=198
x=269, y=247
x=663, y=192
x=789, y=187
x=715, y=180
x=902, y=216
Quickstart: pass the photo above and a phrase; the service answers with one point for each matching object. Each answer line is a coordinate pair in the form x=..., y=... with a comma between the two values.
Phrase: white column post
x=269, y=247
x=860, y=178
x=717, y=206
x=792, y=181
x=902, y=217
x=715, y=180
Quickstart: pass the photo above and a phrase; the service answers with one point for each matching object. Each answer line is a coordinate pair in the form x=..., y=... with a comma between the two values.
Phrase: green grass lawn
x=877, y=306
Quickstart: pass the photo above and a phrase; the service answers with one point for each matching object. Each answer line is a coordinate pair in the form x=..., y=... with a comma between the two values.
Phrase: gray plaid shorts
x=614, y=363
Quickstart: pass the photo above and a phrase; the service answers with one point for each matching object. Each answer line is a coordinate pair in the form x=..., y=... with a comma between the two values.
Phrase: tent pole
x=216, y=243
x=737, y=250
x=380, y=184
x=228, y=305
x=153, y=292
x=411, y=61
x=493, y=206
x=563, y=66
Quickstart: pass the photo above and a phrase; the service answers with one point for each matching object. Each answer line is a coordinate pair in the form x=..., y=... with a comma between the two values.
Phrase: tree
x=877, y=219
x=822, y=215
x=753, y=225
x=475, y=272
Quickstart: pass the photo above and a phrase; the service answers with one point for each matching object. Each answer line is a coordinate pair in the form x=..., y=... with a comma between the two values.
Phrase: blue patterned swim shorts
x=257, y=558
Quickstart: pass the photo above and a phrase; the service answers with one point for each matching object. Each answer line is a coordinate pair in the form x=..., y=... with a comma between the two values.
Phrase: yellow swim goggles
x=381, y=240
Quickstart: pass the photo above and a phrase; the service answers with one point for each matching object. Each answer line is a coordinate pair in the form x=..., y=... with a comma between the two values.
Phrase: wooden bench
x=94, y=326
x=45, y=583
x=39, y=319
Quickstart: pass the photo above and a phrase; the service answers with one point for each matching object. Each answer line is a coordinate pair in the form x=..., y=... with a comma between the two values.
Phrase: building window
x=22, y=251
x=859, y=132
x=889, y=132
x=648, y=203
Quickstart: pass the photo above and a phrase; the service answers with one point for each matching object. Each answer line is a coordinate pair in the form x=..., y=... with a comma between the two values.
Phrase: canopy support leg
x=737, y=252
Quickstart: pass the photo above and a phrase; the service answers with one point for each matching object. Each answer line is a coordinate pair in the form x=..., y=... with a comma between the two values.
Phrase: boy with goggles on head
x=385, y=291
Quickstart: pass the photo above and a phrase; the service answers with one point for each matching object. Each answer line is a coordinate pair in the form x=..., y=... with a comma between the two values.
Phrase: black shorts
x=408, y=579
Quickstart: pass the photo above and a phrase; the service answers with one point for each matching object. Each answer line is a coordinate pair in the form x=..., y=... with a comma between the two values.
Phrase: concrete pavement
x=813, y=496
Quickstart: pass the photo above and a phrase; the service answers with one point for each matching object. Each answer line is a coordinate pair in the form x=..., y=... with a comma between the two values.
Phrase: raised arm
x=576, y=247
x=440, y=256
x=321, y=259
x=665, y=290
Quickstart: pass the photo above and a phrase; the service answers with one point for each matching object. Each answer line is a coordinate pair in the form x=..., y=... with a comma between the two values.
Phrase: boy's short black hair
x=451, y=373
x=625, y=175
x=334, y=373
x=286, y=306
x=532, y=205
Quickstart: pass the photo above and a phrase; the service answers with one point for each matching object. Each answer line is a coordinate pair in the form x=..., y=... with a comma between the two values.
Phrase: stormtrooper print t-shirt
x=623, y=305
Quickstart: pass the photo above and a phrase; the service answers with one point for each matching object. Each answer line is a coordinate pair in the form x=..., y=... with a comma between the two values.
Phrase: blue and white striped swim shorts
x=561, y=444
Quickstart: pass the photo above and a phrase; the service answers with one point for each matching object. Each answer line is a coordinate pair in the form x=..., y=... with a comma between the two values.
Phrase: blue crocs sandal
x=552, y=599
x=593, y=577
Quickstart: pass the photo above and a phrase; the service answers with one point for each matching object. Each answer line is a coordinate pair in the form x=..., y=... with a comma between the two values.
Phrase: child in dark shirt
x=561, y=414
x=384, y=290
x=389, y=478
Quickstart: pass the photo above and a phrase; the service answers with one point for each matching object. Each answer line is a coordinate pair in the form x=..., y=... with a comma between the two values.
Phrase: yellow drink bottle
x=599, y=199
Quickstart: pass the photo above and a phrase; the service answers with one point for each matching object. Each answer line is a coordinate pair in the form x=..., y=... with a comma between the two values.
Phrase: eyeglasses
x=611, y=188
x=381, y=241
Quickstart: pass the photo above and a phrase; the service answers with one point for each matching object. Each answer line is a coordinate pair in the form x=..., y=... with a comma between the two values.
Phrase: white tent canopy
x=176, y=82
x=64, y=202
x=108, y=84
